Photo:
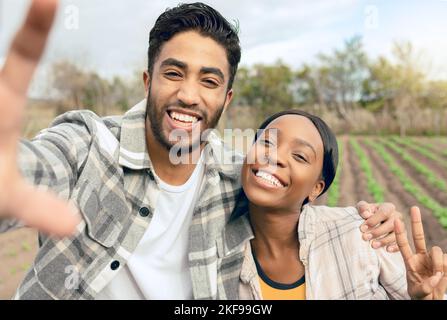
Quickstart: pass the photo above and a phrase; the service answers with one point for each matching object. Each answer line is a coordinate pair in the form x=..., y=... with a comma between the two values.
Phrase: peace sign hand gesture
x=426, y=271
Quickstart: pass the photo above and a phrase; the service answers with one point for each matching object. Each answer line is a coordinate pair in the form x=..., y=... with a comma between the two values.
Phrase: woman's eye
x=299, y=157
x=266, y=142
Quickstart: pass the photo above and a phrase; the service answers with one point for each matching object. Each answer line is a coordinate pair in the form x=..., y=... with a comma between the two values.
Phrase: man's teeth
x=183, y=117
x=269, y=178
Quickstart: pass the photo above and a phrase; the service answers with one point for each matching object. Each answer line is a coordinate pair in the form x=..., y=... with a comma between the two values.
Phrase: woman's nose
x=273, y=158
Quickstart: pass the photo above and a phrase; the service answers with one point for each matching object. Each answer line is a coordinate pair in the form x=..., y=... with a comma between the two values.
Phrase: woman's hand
x=426, y=271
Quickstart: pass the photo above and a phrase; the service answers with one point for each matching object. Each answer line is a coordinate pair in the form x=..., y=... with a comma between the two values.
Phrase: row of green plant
x=333, y=195
x=438, y=145
x=423, y=150
x=438, y=210
x=428, y=174
x=374, y=188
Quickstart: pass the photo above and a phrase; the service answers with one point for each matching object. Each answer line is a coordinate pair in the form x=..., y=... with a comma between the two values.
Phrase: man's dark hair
x=201, y=18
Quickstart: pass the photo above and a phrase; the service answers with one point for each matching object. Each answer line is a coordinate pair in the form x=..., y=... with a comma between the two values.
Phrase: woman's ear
x=316, y=191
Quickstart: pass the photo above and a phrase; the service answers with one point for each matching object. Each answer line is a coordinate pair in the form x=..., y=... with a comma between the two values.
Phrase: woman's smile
x=265, y=178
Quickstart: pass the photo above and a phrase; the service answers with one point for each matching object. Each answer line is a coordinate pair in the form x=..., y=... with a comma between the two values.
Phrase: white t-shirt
x=158, y=269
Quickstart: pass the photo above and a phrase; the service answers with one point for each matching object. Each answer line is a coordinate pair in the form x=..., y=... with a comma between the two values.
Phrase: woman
x=277, y=246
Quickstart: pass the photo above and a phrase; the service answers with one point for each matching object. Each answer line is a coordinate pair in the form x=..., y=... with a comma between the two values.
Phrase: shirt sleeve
x=54, y=158
x=393, y=274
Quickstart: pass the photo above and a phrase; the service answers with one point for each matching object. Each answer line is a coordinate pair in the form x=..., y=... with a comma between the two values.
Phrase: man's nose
x=189, y=93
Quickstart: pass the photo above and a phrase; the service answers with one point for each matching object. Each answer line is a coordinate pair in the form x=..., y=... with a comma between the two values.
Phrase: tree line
x=352, y=91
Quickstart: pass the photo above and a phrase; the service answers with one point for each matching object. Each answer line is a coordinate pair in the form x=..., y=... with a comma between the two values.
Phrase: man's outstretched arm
x=19, y=200
x=378, y=227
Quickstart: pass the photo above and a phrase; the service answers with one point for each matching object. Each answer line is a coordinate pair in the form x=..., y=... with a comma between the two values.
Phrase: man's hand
x=426, y=272
x=379, y=224
x=18, y=199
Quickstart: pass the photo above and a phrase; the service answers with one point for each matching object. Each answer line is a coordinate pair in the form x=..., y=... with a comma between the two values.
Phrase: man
x=149, y=225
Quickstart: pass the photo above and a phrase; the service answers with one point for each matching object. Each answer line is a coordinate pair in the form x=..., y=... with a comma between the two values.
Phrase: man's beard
x=156, y=122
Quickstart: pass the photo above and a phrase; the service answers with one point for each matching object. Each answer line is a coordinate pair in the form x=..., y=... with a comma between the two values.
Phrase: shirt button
x=144, y=212
x=115, y=265
x=151, y=175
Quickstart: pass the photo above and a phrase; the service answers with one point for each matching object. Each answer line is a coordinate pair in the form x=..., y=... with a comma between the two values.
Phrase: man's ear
x=317, y=190
x=147, y=81
x=228, y=99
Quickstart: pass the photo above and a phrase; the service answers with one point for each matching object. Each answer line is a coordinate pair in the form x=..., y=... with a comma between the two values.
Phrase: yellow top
x=272, y=290
x=274, y=293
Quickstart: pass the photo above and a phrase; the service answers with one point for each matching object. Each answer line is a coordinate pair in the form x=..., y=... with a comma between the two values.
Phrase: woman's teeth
x=269, y=178
x=183, y=117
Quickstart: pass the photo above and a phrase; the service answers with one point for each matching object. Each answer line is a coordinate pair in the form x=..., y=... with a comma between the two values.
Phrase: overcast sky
x=111, y=35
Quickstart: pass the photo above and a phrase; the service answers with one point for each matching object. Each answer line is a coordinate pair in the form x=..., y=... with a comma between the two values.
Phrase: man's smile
x=182, y=119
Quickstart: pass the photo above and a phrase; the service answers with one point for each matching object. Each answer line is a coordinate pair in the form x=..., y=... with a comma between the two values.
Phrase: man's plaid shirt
x=103, y=167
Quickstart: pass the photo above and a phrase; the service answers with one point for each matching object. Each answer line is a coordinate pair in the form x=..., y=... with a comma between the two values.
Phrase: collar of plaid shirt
x=235, y=254
x=338, y=263
x=214, y=206
x=113, y=183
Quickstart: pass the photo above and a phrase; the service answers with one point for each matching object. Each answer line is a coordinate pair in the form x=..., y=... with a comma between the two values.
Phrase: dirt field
x=17, y=251
x=18, y=248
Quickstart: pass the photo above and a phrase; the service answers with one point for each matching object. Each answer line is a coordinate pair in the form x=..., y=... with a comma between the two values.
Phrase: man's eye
x=211, y=83
x=172, y=74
